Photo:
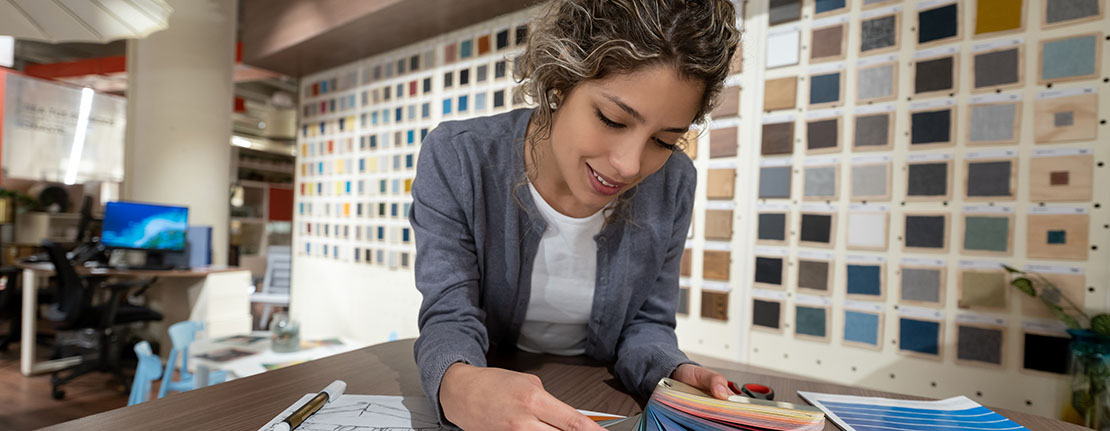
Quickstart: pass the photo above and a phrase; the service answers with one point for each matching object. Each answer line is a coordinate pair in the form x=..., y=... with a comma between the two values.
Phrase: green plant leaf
x=1011, y=269
x=1023, y=284
x=1064, y=317
x=1101, y=324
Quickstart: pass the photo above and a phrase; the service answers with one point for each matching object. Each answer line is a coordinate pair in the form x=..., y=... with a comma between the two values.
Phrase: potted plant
x=1090, y=347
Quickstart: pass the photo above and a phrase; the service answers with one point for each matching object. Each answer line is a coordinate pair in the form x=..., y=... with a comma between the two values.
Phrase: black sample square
x=989, y=179
x=928, y=179
x=772, y=226
x=996, y=68
x=822, y=134
x=925, y=231
x=979, y=344
x=768, y=270
x=816, y=228
x=766, y=313
x=936, y=24
x=1046, y=353
x=931, y=127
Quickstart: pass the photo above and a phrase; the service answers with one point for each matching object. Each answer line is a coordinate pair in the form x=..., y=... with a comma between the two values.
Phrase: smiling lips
x=602, y=184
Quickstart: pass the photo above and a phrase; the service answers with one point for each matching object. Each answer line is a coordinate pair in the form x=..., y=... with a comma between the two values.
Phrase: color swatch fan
x=853, y=413
x=675, y=406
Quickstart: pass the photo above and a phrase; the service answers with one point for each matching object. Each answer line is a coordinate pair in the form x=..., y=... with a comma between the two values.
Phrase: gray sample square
x=869, y=180
x=993, y=122
x=921, y=285
x=820, y=182
x=986, y=179
x=979, y=344
x=813, y=275
x=1067, y=10
x=774, y=182
x=997, y=68
x=872, y=131
x=878, y=33
x=927, y=179
x=876, y=82
x=784, y=11
x=1063, y=119
x=772, y=226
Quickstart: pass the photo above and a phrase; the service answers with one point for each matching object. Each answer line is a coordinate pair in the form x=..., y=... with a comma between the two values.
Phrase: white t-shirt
x=563, y=278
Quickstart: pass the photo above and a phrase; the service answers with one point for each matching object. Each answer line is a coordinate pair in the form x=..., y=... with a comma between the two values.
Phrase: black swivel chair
x=95, y=332
x=10, y=301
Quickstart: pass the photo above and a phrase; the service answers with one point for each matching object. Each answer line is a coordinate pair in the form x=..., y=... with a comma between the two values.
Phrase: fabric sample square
x=876, y=82
x=872, y=131
x=1058, y=11
x=921, y=285
x=1063, y=119
x=822, y=6
x=683, y=301
x=986, y=233
x=827, y=42
x=1069, y=58
x=1057, y=237
x=869, y=181
x=772, y=227
x=864, y=280
x=766, y=313
x=938, y=24
x=782, y=49
x=810, y=321
x=979, y=344
x=781, y=11
x=989, y=179
x=931, y=127
x=813, y=275
x=824, y=88
x=1046, y=352
x=878, y=33
x=993, y=123
x=778, y=138
x=861, y=327
x=983, y=289
x=934, y=75
x=820, y=182
x=774, y=182
x=867, y=230
x=768, y=270
x=919, y=336
x=997, y=15
x=997, y=68
x=816, y=228
x=781, y=93
x=926, y=231
x=927, y=179
x=822, y=134
x=1059, y=178
x=714, y=305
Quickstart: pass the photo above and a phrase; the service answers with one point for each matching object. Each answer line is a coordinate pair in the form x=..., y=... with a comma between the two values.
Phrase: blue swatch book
x=852, y=413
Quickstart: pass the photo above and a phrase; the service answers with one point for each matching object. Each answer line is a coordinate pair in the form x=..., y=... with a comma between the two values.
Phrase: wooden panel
x=723, y=142
x=720, y=183
x=730, y=103
x=715, y=265
x=714, y=305
x=718, y=224
x=687, y=264
x=780, y=93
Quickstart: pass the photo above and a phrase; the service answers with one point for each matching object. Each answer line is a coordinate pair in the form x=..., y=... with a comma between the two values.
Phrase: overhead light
x=79, y=136
x=241, y=142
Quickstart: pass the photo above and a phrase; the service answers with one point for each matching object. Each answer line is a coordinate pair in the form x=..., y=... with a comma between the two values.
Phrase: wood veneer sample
x=781, y=93
x=720, y=183
x=718, y=224
x=730, y=103
x=723, y=142
x=715, y=265
x=714, y=305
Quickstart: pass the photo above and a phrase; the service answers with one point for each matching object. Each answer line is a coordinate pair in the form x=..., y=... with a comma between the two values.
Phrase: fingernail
x=721, y=391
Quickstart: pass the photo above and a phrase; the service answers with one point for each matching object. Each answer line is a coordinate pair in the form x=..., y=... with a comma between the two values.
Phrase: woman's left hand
x=710, y=382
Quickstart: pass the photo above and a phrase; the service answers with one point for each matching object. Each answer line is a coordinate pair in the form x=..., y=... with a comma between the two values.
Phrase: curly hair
x=573, y=41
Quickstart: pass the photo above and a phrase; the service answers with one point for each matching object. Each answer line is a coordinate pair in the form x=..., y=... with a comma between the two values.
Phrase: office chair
x=10, y=301
x=94, y=332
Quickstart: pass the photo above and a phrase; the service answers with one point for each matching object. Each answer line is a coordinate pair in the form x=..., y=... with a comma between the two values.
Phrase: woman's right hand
x=496, y=399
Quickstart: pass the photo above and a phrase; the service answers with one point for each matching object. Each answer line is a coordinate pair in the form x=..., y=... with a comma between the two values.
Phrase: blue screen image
x=144, y=226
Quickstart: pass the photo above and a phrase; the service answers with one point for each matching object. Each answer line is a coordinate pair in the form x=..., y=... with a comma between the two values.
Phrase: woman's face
x=607, y=135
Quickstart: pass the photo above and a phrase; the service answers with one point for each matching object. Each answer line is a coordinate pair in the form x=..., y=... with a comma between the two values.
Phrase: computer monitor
x=158, y=228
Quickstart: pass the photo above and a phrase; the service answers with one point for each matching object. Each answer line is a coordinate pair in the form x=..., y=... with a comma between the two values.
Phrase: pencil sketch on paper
x=366, y=413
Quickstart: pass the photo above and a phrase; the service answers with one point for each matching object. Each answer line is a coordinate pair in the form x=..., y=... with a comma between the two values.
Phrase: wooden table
x=389, y=369
x=184, y=278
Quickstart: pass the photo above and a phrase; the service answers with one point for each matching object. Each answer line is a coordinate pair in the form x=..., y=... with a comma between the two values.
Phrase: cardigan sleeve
x=446, y=267
x=648, y=348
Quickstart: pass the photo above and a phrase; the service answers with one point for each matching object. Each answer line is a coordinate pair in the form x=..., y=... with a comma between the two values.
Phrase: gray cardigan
x=477, y=232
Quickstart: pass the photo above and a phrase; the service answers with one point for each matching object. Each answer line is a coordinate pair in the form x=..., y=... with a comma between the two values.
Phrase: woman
x=560, y=229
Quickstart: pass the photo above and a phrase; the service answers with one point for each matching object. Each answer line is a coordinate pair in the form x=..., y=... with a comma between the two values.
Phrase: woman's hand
x=495, y=399
x=710, y=382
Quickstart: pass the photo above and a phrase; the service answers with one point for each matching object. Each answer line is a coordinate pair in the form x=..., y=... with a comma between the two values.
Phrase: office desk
x=179, y=295
x=389, y=369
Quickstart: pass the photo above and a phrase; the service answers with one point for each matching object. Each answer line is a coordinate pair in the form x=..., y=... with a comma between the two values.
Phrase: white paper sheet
x=366, y=413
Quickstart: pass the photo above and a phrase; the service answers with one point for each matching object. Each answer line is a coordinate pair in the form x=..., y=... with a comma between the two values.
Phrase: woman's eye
x=607, y=122
x=664, y=144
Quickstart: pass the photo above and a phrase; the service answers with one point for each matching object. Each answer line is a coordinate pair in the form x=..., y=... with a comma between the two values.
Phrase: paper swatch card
x=675, y=406
x=852, y=413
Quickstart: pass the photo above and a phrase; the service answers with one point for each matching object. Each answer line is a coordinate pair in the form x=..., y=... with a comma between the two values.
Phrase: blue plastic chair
x=148, y=370
x=182, y=335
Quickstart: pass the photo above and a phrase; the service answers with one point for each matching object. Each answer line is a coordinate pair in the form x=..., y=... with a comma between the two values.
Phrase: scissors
x=753, y=390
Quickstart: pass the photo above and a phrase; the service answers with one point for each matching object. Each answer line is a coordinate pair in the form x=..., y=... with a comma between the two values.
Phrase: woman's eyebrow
x=636, y=114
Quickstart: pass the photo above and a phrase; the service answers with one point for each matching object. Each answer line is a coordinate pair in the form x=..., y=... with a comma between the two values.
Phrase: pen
x=329, y=394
